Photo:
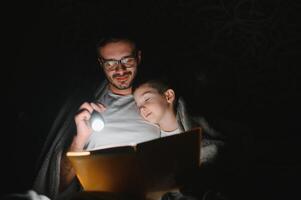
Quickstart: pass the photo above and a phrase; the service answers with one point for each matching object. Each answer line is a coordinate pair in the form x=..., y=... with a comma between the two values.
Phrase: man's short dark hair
x=113, y=39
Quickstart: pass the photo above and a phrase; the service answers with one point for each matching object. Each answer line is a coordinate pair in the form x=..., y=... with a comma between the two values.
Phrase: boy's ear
x=170, y=95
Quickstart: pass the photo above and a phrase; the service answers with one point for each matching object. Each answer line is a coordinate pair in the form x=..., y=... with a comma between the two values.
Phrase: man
x=119, y=59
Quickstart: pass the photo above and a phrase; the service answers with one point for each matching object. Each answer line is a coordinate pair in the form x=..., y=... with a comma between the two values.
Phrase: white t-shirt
x=123, y=123
x=168, y=133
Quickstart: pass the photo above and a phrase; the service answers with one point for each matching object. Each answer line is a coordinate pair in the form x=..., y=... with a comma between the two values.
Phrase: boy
x=156, y=102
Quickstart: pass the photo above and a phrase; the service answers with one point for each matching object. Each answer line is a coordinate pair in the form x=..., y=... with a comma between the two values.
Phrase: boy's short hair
x=157, y=84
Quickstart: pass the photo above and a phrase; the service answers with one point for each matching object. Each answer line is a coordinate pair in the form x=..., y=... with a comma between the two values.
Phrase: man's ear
x=139, y=57
x=99, y=61
x=170, y=95
x=100, y=64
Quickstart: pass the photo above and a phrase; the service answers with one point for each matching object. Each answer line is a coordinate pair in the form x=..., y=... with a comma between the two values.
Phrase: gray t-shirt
x=123, y=123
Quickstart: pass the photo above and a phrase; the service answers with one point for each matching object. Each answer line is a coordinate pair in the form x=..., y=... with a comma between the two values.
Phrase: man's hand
x=82, y=124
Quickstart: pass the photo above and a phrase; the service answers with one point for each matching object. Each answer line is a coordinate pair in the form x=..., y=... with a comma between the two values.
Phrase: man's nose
x=120, y=67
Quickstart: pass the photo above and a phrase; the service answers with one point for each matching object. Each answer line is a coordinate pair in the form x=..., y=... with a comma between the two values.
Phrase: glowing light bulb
x=97, y=121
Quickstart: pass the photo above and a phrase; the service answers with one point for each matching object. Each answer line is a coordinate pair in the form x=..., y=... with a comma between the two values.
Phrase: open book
x=147, y=167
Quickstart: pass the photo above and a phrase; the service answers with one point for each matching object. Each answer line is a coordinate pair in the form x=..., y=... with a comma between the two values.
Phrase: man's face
x=151, y=104
x=122, y=75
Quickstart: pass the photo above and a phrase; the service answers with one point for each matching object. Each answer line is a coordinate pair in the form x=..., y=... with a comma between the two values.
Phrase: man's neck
x=117, y=91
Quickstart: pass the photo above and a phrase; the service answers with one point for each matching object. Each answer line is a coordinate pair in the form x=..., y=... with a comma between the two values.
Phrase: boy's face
x=152, y=105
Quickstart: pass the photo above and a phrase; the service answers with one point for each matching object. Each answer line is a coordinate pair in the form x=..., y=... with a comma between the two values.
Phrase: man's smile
x=122, y=78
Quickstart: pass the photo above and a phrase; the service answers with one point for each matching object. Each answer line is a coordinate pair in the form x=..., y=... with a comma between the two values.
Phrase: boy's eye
x=147, y=99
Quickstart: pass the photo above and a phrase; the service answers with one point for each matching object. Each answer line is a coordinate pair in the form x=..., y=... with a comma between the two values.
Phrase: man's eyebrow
x=131, y=55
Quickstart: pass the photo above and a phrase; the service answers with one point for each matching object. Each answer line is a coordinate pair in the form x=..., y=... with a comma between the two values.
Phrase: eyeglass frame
x=102, y=61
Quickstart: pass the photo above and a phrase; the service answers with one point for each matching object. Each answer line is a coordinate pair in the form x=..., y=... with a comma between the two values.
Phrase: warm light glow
x=79, y=153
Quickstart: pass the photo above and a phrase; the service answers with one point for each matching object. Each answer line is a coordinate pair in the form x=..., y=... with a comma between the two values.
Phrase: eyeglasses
x=110, y=65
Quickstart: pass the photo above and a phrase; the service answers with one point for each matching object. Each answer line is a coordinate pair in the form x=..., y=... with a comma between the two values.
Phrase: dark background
x=238, y=61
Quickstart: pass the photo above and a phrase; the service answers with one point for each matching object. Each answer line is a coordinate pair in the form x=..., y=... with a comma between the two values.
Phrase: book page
x=113, y=146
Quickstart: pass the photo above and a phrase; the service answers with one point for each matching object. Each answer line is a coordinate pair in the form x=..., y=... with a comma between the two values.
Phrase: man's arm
x=67, y=172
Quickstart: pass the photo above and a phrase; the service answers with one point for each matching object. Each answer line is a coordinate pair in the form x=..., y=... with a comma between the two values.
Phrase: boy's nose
x=143, y=110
